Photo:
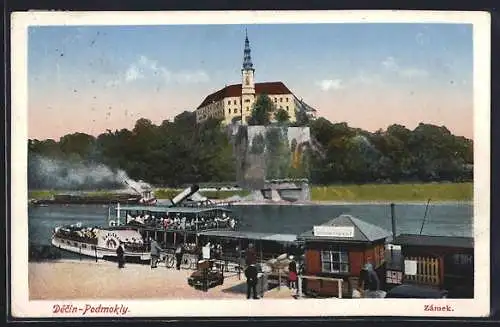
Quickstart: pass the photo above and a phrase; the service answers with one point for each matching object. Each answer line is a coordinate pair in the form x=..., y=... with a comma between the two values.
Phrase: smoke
x=48, y=173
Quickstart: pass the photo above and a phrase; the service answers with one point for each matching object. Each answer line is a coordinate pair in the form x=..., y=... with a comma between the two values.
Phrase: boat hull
x=94, y=251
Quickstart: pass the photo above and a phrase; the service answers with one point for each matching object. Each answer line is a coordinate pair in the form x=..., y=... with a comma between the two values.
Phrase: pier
x=330, y=257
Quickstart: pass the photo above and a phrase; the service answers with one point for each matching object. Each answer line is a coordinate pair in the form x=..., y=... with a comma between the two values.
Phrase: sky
x=92, y=78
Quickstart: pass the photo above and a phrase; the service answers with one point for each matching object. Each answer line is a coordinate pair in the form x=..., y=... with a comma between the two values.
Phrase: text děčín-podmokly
x=87, y=309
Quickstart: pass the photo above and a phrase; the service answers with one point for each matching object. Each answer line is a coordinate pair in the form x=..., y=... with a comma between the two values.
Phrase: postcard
x=253, y=163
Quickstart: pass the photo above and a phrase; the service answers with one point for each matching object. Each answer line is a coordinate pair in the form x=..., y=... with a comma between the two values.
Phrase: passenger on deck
x=218, y=251
x=212, y=251
x=140, y=219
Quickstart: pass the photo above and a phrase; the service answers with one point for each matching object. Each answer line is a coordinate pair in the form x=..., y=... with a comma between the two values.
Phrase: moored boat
x=133, y=225
x=100, y=243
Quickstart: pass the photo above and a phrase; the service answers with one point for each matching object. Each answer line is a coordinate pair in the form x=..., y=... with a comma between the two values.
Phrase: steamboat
x=177, y=220
x=100, y=243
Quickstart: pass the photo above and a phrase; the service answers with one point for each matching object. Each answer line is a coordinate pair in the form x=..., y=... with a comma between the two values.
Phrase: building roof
x=234, y=90
x=434, y=241
x=363, y=231
x=285, y=238
x=169, y=210
x=304, y=106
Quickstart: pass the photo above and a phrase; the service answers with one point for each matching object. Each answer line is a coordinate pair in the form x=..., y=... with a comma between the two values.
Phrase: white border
x=479, y=306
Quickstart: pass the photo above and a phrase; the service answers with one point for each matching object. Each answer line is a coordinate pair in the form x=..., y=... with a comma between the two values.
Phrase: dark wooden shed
x=445, y=262
x=335, y=253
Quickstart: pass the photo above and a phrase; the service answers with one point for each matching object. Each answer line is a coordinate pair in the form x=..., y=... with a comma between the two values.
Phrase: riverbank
x=73, y=279
x=333, y=194
x=346, y=203
x=407, y=193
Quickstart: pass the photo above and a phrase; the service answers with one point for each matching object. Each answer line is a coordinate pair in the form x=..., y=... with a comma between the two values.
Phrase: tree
x=261, y=111
x=78, y=145
x=282, y=116
x=181, y=151
x=258, y=144
x=301, y=118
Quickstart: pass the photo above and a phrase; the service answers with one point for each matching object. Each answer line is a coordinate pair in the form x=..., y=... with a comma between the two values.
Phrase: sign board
x=410, y=267
x=394, y=277
x=206, y=252
x=394, y=247
x=334, y=231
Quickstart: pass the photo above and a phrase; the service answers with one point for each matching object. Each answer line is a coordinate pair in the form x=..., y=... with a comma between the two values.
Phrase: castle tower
x=248, y=82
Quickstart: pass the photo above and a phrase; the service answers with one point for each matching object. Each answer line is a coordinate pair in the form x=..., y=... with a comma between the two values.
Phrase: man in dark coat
x=370, y=283
x=120, y=256
x=251, y=275
x=179, y=252
x=250, y=255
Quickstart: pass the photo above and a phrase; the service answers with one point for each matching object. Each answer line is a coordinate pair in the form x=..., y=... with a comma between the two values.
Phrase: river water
x=442, y=219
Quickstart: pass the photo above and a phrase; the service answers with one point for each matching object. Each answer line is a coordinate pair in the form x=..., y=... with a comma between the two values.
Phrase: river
x=442, y=219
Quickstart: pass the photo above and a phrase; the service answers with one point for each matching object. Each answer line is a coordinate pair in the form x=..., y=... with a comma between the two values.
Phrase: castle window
x=234, y=102
x=281, y=99
x=287, y=100
x=275, y=99
x=248, y=109
x=235, y=111
x=229, y=102
x=286, y=108
x=229, y=110
x=247, y=100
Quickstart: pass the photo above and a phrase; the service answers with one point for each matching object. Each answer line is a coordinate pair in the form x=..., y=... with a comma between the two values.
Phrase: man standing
x=120, y=256
x=250, y=255
x=178, y=256
x=370, y=283
x=251, y=275
x=155, y=253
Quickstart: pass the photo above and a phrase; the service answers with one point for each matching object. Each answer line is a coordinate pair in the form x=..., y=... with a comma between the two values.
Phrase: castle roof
x=234, y=90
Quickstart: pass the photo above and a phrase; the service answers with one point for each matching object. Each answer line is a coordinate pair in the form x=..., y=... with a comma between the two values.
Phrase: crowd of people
x=178, y=222
x=78, y=234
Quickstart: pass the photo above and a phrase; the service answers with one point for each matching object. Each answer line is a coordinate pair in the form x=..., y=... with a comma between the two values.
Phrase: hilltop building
x=235, y=102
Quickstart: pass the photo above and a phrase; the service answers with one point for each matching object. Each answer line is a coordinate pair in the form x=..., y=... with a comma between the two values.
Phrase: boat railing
x=76, y=238
x=212, y=205
x=221, y=227
x=134, y=248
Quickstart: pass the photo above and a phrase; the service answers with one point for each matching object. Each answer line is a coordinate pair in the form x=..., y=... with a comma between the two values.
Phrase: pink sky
x=370, y=107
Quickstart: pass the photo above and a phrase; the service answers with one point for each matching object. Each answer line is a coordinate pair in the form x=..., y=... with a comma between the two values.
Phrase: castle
x=235, y=102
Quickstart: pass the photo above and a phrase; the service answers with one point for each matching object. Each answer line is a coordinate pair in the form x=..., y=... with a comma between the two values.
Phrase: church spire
x=247, y=58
